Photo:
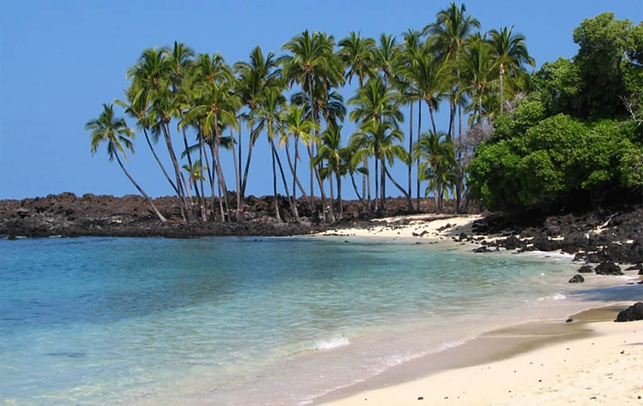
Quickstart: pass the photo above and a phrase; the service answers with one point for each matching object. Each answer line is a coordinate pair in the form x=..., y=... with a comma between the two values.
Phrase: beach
x=587, y=359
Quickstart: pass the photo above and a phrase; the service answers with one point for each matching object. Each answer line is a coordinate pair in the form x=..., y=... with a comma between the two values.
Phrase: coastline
x=538, y=362
x=530, y=364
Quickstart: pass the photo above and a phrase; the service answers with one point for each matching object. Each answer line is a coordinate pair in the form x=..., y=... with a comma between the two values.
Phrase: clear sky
x=59, y=60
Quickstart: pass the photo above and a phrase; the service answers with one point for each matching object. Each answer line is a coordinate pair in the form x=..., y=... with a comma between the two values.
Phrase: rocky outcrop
x=608, y=268
x=577, y=279
x=632, y=313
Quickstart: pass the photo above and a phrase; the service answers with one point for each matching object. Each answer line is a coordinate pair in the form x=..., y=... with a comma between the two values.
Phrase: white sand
x=604, y=369
x=429, y=226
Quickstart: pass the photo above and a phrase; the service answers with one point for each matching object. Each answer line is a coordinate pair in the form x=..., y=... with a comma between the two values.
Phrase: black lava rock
x=632, y=313
x=586, y=269
x=608, y=268
x=577, y=279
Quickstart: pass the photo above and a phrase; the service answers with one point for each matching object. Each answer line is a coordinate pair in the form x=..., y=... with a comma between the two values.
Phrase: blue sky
x=61, y=59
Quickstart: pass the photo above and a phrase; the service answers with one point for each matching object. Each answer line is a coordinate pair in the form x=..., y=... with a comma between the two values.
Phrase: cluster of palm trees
x=293, y=103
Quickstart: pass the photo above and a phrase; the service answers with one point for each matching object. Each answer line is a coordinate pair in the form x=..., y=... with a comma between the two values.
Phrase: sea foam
x=335, y=342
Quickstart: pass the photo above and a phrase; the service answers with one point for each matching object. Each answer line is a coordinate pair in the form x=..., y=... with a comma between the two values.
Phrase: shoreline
x=502, y=349
x=526, y=364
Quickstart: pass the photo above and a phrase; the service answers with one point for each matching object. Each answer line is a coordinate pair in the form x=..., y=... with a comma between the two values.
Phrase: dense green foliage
x=578, y=135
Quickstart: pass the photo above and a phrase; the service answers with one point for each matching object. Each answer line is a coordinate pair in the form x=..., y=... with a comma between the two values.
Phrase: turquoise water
x=228, y=321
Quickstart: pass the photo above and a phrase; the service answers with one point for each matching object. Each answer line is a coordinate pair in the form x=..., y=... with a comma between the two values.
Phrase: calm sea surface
x=241, y=321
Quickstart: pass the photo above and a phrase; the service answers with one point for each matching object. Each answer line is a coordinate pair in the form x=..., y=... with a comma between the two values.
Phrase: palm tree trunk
x=366, y=180
x=274, y=186
x=158, y=161
x=293, y=206
x=339, y=192
x=295, y=179
x=177, y=169
x=411, y=149
x=237, y=175
x=202, y=202
x=417, y=162
x=361, y=198
x=432, y=118
x=479, y=107
x=220, y=175
x=377, y=188
x=401, y=189
x=332, y=191
x=383, y=184
x=458, y=185
x=145, y=196
x=239, y=193
x=502, y=93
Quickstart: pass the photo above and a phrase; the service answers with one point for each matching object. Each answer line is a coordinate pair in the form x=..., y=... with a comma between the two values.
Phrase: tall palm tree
x=478, y=68
x=358, y=53
x=510, y=54
x=268, y=116
x=114, y=131
x=388, y=57
x=295, y=123
x=411, y=46
x=428, y=78
x=334, y=154
x=436, y=153
x=254, y=77
x=216, y=106
x=449, y=32
x=381, y=139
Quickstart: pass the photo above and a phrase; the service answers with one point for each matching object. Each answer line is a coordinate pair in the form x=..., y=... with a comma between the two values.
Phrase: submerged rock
x=632, y=313
x=608, y=268
x=577, y=279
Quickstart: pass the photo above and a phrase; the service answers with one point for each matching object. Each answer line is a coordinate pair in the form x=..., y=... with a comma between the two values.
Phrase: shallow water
x=231, y=321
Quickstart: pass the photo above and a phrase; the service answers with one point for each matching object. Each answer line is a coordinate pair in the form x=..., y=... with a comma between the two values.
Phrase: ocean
x=247, y=321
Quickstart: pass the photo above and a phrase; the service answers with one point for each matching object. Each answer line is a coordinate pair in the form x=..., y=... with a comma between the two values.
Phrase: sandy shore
x=556, y=364
x=591, y=361
x=435, y=226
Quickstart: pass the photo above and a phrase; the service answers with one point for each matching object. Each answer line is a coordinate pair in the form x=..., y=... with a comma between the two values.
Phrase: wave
x=557, y=296
x=336, y=342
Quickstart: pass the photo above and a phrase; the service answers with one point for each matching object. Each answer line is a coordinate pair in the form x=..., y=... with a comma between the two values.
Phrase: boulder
x=608, y=268
x=577, y=279
x=462, y=237
x=585, y=269
x=481, y=249
x=511, y=243
x=632, y=313
x=637, y=267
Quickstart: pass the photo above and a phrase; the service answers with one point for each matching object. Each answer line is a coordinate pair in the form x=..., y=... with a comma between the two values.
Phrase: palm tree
x=134, y=106
x=478, y=67
x=151, y=78
x=312, y=64
x=254, y=77
x=411, y=46
x=114, y=131
x=428, y=78
x=437, y=157
x=268, y=117
x=294, y=122
x=358, y=53
x=449, y=32
x=510, y=53
x=215, y=107
x=331, y=151
x=381, y=139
